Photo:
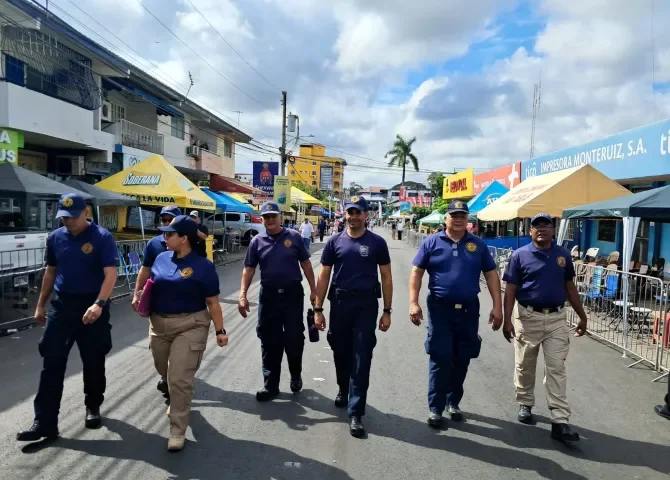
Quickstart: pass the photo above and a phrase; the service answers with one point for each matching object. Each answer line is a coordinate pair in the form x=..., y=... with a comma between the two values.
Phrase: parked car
x=249, y=224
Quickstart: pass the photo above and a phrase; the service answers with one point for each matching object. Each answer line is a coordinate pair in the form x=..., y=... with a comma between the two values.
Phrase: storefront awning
x=240, y=197
x=486, y=197
x=552, y=193
x=226, y=203
x=154, y=181
x=230, y=185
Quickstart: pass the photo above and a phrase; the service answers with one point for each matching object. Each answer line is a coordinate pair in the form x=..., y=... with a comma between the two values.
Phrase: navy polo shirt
x=80, y=259
x=454, y=275
x=278, y=255
x=355, y=260
x=154, y=247
x=182, y=284
x=540, y=275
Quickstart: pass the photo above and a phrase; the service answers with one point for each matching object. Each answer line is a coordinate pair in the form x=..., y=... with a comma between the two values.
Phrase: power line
x=231, y=47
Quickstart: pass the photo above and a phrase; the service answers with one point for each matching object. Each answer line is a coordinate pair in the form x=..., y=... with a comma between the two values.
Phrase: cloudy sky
x=459, y=77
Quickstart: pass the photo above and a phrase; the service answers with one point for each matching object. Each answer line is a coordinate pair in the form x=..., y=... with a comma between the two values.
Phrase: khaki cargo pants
x=534, y=329
x=177, y=344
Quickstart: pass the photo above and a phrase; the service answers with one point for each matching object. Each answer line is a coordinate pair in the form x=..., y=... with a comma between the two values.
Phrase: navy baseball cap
x=270, y=208
x=457, y=207
x=183, y=225
x=172, y=210
x=357, y=202
x=542, y=216
x=70, y=205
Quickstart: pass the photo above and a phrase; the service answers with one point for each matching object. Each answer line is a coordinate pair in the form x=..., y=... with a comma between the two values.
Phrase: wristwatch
x=101, y=303
x=388, y=310
x=221, y=332
x=318, y=310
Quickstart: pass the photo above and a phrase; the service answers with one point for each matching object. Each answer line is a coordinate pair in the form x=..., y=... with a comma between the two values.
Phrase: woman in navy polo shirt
x=185, y=298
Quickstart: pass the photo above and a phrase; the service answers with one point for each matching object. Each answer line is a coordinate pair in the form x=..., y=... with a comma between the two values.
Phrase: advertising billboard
x=508, y=176
x=264, y=176
x=326, y=180
x=282, y=192
x=458, y=185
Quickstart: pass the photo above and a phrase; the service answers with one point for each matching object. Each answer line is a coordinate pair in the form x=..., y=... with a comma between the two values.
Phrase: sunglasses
x=166, y=219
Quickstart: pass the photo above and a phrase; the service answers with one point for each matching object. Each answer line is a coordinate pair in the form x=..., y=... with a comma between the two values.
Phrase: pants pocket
x=198, y=349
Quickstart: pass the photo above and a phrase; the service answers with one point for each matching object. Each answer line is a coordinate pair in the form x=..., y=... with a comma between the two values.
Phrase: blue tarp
x=227, y=203
x=487, y=196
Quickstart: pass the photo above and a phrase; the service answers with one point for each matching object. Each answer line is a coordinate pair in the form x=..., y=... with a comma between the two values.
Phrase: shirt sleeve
x=328, y=253
x=303, y=253
x=51, y=253
x=488, y=263
x=210, y=280
x=204, y=229
x=422, y=257
x=569, y=269
x=513, y=271
x=383, y=255
x=108, y=251
x=251, y=257
x=149, y=255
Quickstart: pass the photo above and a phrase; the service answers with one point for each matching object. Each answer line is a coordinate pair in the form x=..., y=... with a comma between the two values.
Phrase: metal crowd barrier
x=636, y=323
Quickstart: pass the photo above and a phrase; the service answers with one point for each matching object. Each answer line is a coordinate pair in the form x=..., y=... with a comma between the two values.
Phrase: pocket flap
x=198, y=347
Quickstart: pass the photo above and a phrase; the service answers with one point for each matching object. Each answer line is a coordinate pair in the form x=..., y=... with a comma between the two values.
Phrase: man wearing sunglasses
x=539, y=280
x=155, y=247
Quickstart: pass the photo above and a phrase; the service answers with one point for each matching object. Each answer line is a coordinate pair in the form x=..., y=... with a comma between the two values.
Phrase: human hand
x=508, y=331
x=385, y=322
x=92, y=314
x=243, y=306
x=415, y=314
x=320, y=320
x=40, y=315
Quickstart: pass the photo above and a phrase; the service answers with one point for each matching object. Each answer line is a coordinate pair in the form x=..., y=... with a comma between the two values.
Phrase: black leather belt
x=545, y=310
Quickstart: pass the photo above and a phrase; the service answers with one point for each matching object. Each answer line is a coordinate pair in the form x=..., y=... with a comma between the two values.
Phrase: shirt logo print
x=186, y=272
x=288, y=243
x=364, y=250
x=471, y=247
x=87, y=248
x=561, y=261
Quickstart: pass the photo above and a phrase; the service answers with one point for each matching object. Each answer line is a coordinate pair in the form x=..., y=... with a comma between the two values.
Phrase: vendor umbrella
x=14, y=179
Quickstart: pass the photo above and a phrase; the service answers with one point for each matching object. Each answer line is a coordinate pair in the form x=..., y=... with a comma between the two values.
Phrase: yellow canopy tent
x=298, y=196
x=552, y=193
x=154, y=181
x=240, y=197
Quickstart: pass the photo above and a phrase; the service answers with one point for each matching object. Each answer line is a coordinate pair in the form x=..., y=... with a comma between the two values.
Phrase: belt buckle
x=281, y=290
x=458, y=306
x=545, y=311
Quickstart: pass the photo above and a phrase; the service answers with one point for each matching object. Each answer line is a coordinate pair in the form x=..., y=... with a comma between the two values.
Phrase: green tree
x=435, y=182
x=420, y=212
x=354, y=189
x=401, y=153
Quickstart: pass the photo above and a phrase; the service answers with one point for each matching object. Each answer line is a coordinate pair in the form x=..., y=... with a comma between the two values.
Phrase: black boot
x=562, y=432
x=436, y=420
x=525, y=415
x=265, y=395
x=93, y=418
x=455, y=413
x=296, y=384
x=341, y=399
x=164, y=389
x=37, y=432
x=663, y=411
x=356, y=427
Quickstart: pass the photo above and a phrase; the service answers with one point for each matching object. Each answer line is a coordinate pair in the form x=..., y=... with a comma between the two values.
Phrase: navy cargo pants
x=65, y=327
x=281, y=328
x=351, y=336
x=452, y=341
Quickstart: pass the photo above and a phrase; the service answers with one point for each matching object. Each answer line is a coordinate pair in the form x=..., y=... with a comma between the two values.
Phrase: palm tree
x=401, y=153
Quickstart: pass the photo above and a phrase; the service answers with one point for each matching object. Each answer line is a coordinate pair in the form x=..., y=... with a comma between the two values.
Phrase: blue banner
x=264, y=176
x=326, y=179
x=641, y=152
x=487, y=196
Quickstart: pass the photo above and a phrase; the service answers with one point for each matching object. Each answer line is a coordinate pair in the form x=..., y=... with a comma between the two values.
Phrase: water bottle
x=311, y=327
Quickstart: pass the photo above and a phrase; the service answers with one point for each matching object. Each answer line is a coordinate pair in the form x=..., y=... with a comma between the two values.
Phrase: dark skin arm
x=510, y=299
x=576, y=303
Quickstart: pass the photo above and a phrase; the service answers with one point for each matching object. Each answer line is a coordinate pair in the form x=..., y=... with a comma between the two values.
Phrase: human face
x=356, y=218
x=196, y=218
x=173, y=241
x=165, y=220
x=542, y=232
x=457, y=222
x=75, y=224
x=272, y=222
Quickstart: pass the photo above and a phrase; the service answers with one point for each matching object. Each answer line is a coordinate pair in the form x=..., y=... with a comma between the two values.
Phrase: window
x=227, y=148
x=314, y=164
x=313, y=173
x=606, y=231
x=292, y=172
x=177, y=127
x=313, y=182
x=118, y=113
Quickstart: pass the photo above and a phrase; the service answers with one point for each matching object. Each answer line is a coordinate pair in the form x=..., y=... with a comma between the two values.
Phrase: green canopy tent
x=435, y=218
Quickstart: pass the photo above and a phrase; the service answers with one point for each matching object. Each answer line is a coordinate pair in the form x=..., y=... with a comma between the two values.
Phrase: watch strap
x=318, y=309
x=221, y=332
x=388, y=310
x=101, y=303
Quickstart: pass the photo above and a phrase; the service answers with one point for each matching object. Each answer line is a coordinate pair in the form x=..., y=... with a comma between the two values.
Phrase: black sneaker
x=436, y=420
x=163, y=388
x=265, y=395
x=341, y=399
x=296, y=384
x=663, y=411
x=356, y=427
x=525, y=415
x=455, y=413
x=37, y=432
x=563, y=433
x=93, y=418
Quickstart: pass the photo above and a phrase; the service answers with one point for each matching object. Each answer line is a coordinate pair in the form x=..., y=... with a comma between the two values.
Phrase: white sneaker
x=175, y=444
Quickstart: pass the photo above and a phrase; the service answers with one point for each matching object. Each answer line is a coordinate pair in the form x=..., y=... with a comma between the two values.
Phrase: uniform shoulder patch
x=287, y=243
x=471, y=247
x=560, y=261
x=186, y=272
x=87, y=247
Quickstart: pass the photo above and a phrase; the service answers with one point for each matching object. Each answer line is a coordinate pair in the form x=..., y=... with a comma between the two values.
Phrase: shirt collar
x=548, y=251
x=182, y=259
x=86, y=230
x=281, y=232
x=467, y=236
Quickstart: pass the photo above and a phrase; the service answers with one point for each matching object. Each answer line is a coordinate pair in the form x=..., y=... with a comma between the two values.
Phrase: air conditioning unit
x=193, y=151
x=106, y=111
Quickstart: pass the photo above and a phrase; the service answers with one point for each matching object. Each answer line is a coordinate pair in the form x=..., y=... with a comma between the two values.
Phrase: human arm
x=45, y=292
x=321, y=289
x=415, y=279
x=576, y=303
x=216, y=313
x=510, y=298
x=307, y=269
x=142, y=277
x=243, y=303
x=387, y=294
x=94, y=311
x=493, y=284
x=203, y=232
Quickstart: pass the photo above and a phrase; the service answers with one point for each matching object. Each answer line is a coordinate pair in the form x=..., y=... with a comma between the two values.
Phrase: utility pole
x=282, y=166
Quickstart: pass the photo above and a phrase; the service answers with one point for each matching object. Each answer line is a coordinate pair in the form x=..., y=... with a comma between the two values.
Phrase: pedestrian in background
x=539, y=280
x=81, y=263
x=353, y=257
x=394, y=230
x=155, y=247
x=322, y=229
x=401, y=228
x=454, y=260
x=203, y=233
x=281, y=253
x=306, y=231
x=185, y=299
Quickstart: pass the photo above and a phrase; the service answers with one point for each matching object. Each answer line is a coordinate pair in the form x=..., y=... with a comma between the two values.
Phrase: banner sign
x=264, y=175
x=282, y=192
x=641, y=152
x=458, y=185
x=326, y=179
x=509, y=176
x=402, y=194
x=10, y=142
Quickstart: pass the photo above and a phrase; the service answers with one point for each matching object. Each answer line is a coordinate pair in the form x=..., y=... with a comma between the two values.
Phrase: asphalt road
x=304, y=436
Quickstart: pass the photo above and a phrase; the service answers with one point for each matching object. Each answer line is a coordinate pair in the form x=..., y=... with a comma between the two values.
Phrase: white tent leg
x=630, y=226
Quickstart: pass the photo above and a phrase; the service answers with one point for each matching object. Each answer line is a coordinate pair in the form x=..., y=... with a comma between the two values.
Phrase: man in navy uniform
x=664, y=410
x=454, y=259
x=354, y=256
x=281, y=253
x=81, y=263
x=155, y=247
x=539, y=279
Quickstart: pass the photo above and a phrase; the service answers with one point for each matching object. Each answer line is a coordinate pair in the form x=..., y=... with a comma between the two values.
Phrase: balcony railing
x=142, y=138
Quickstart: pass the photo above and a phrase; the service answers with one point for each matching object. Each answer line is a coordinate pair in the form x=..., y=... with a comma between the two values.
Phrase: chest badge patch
x=87, y=248
x=364, y=250
x=288, y=243
x=186, y=272
x=471, y=247
x=561, y=261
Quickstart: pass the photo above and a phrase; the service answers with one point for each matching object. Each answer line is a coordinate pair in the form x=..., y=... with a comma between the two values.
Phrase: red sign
x=402, y=194
x=509, y=175
x=460, y=185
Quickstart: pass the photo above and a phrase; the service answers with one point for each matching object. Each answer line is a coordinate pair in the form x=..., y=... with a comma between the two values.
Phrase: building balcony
x=136, y=136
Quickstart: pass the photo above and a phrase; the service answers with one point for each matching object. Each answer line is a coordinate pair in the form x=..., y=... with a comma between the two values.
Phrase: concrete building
x=314, y=168
x=244, y=177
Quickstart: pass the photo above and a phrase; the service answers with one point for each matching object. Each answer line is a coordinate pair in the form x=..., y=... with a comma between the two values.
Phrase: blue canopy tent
x=486, y=197
x=226, y=203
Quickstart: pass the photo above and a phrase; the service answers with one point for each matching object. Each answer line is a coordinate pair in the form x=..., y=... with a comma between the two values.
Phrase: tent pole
x=142, y=223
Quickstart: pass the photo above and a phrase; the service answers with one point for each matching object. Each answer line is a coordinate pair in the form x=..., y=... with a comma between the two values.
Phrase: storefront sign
x=264, y=175
x=458, y=185
x=98, y=168
x=10, y=142
x=509, y=176
x=326, y=179
x=641, y=152
x=282, y=192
